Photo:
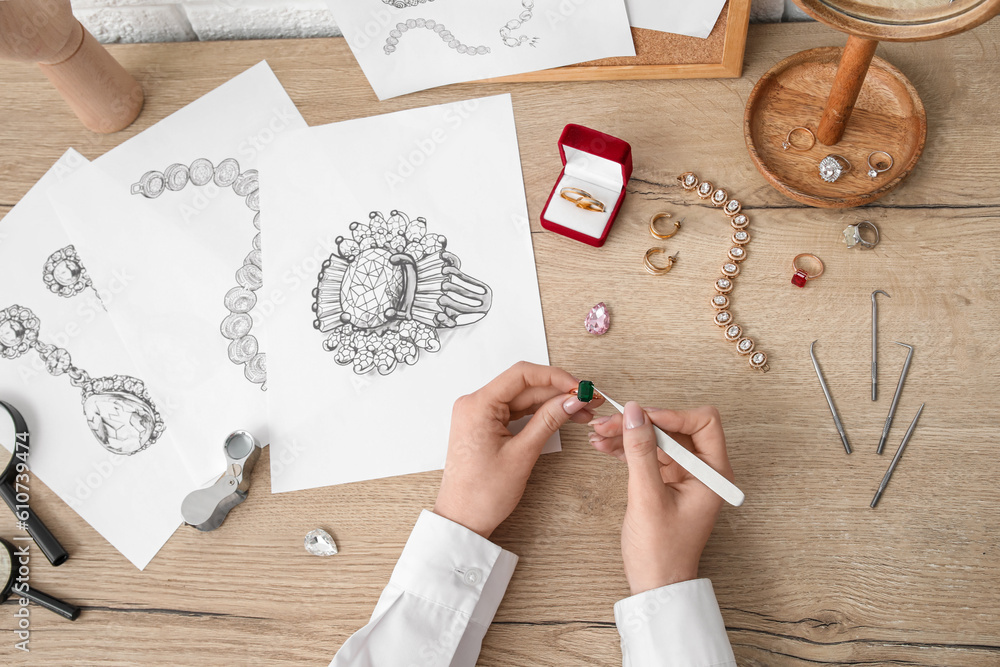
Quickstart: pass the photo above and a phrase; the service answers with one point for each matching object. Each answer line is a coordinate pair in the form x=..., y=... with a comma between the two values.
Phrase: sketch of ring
x=383, y=295
x=239, y=301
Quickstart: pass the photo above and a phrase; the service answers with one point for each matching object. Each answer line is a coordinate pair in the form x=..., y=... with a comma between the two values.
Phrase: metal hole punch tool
x=206, y=509
x=829, y=399
x=875, y=342
x=895, y=398
x=895, y=459
x=694, y=465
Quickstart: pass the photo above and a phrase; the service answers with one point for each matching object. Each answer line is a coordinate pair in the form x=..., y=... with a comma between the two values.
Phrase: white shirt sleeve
x=675, y=626
x=438, y=604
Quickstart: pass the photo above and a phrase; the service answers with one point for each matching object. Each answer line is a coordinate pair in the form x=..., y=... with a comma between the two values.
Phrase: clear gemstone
x=733, y=331
x=598, y=320
x=830, y=169
x=705, y=188
x=741, y=236
x=121, y=422
x=719, y=195
x=733, y=205
x=872, y=173
x=320, y=543
x=723, y=283
x=745, y=345
x=11, y=333
x=852, y=236
x=729, y=268
x=689, y=180
x=758, y=358
x=737, y=252
x=371, y=286
x=722, y=318
x=719, y=300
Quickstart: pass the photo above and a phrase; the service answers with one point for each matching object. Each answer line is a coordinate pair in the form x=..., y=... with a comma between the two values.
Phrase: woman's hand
x=487, y=466
x=670, y=514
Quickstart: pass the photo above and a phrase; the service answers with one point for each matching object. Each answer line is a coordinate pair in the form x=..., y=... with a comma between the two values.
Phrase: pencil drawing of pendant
x=385, y=293
x=244, y=349
x=65, y=275
x=118, y=408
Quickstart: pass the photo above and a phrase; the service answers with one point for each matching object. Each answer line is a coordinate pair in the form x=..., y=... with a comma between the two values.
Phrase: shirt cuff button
x=473, y=576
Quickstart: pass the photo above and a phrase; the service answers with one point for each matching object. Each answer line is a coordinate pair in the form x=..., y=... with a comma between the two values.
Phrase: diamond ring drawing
x=385, y=293
x=118, y=409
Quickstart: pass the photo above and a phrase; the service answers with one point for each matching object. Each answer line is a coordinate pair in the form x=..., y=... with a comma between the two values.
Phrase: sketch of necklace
x=514, y=24
x=401, y=4
x=118, y=409
x=240, y=300
x=65, y=275
x=387, y=291
x=393, y=39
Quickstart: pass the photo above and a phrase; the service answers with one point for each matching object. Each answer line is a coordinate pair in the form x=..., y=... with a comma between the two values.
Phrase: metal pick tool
x=895, y=459
x=829, y=399
x=703, y=472
x=895, y=398
x=875, y=342
x=206, y=509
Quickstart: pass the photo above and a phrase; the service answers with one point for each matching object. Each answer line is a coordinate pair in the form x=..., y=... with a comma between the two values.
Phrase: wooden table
x=805, y=572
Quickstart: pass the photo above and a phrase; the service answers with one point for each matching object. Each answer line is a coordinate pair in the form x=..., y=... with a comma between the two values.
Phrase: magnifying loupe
x=14, y=485
x=9, y=567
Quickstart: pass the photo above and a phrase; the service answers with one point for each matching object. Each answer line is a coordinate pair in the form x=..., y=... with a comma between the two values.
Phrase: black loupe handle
x=45, y=540
x=64, y=609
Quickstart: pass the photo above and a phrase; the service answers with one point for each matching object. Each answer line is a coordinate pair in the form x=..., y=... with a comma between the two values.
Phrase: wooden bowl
x=888, y=116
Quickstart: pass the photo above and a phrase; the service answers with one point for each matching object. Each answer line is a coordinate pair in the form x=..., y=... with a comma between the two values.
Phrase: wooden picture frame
x=662, y=55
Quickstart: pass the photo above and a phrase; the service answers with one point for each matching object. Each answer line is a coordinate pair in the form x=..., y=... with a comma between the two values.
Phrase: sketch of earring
x=655, y=233
x=654, y=269
x=65, y=275
x=788, y=143
x=244, y=348
x=875, y=169
x=438, y=28
x=832, y=167
x=514, y=24
x=118, y=408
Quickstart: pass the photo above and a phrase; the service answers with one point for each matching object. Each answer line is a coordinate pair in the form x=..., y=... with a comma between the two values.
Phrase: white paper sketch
x=240, y=300
x=681, y=17
x=406, y=45
x=64, y=273
x=387, y=290
x=118, y=409
x=429, y=294
x=106, y=445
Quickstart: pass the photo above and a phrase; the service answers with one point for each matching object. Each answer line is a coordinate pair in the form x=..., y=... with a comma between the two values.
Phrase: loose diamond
x=320, y=543
x=598, y=320
x=830, y=169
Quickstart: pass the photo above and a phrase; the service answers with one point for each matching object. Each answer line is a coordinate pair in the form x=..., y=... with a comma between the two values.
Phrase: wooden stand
x=883, y=108
x=103, y=95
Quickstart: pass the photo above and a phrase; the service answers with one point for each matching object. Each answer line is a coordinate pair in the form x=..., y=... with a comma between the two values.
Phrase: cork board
x=662, y=55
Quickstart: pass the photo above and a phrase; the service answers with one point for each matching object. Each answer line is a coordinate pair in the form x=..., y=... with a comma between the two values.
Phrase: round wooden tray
x=888, y=116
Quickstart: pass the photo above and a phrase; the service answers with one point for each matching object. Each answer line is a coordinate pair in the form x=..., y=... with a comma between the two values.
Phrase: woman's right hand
x=670, y=513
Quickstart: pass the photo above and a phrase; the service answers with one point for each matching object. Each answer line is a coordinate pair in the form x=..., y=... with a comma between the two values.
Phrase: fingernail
x=573, y=405
x=634, y=416
x=597, y=421
x=594, y=438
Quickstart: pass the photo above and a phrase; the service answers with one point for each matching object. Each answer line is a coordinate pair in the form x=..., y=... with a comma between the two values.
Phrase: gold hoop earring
x=662, y=216
x=658, y=270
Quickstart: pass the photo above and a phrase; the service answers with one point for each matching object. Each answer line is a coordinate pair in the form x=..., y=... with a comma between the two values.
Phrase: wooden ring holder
x=851, y=99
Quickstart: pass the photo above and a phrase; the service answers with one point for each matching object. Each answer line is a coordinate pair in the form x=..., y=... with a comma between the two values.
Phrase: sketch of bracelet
x=240, y=300
x=402, y=4
x=118, y=408
x=64, y=274
x=394, y=35
x=386, y=291
x=514, y=24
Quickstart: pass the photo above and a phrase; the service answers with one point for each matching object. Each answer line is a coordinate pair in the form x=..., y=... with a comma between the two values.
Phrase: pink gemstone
x=598, y=320
x=799, y=279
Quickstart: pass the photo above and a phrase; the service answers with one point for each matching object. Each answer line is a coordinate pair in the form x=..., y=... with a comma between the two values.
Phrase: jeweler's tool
x=20, y=587
x=829, y=399
x=875, y=342
x=895, y=398
x=694, y=465
x=895, y=459
x=206, y=509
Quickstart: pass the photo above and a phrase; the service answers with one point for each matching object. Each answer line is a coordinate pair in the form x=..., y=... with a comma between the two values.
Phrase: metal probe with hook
x=875, y=342
x=829, y=399
x=895, y=398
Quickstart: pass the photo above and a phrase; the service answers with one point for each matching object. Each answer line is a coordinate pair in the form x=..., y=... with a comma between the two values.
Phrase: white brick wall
x=187, y=20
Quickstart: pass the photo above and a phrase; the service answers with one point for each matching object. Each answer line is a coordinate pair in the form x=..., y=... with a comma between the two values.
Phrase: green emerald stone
x=585, y=392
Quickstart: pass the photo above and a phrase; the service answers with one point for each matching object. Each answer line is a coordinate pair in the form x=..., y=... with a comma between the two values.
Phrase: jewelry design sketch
x=239, y=301
x=65, y=275
x=514, y=24
x=383, y=295
x=118, y=408
x=394, y=35
x=402, y=4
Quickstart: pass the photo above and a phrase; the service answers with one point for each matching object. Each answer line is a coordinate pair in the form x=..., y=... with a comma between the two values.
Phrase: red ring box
x=596, y=163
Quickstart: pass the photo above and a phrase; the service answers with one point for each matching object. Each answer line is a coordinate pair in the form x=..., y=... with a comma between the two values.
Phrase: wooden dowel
x=854, y=62
x=103, y=95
